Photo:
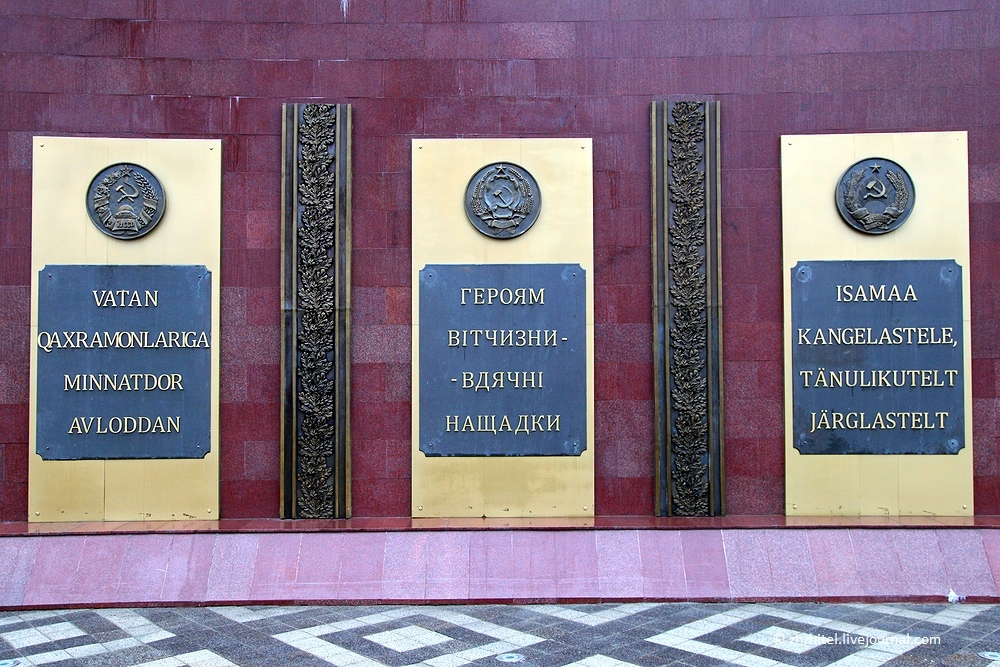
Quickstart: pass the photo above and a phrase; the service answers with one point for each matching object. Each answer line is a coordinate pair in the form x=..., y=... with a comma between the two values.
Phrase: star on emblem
x=875, y=167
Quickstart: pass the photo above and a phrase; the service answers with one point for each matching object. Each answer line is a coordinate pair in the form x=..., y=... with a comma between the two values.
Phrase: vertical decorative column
x=687, y=309
x=316, y=304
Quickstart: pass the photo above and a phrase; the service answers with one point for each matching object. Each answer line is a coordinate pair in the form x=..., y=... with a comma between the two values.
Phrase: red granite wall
x=412, y=68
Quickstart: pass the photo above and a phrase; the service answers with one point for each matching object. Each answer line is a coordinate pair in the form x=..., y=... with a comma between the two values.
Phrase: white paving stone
x=955, y=615
x=46, y=658
x=408, y=638
x=24, y=638
x=58, y=631
x=600, y=661
x=163, y=662
x=35, y=615
x=193, y=659
x=41, y=635
x=892, y=610
x=135, y=625
x=248, y=614
x=121, y=644
x=447, y=660
x=204, y=659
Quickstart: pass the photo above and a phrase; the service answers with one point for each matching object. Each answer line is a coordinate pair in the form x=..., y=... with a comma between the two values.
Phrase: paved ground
x=609, y=635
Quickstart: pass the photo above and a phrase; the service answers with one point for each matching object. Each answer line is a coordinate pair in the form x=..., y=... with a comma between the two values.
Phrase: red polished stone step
x=440, y=564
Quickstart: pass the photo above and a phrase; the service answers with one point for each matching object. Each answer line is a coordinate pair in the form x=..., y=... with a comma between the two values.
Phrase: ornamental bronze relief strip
x=687, y=309
x=316, y=309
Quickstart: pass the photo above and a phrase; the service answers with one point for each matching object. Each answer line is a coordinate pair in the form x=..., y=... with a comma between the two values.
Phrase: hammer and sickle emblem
x=876, y=189
x=505, y=195
x=124, y=188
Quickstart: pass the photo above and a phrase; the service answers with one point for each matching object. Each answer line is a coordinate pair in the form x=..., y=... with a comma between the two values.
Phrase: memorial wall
x=840, y=162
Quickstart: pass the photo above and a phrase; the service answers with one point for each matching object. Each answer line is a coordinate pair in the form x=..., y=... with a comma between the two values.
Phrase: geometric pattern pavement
x=596, y=635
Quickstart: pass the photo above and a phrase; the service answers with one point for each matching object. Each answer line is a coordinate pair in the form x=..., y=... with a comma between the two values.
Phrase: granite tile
x=878, y=563
x=405, y=568
x=750, y=574
x=619, y=563
x=705, y=565
x=922, y=562
x=320, y=563
x=17, y=557
x=188, y=566
x=576, y=564
x=99, y=573
x=662, y=558
x=53, y=571
x=276, y=567
x=448, y=566
x=232, y=570
x=144, y=568
x=792, y=569
x=542, y=558
x=491, y=563
x=362, y=566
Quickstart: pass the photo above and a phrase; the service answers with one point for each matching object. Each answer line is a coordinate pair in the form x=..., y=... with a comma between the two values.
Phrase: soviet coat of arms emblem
x=502, y=200
x=875, y=196
x=125, y=201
